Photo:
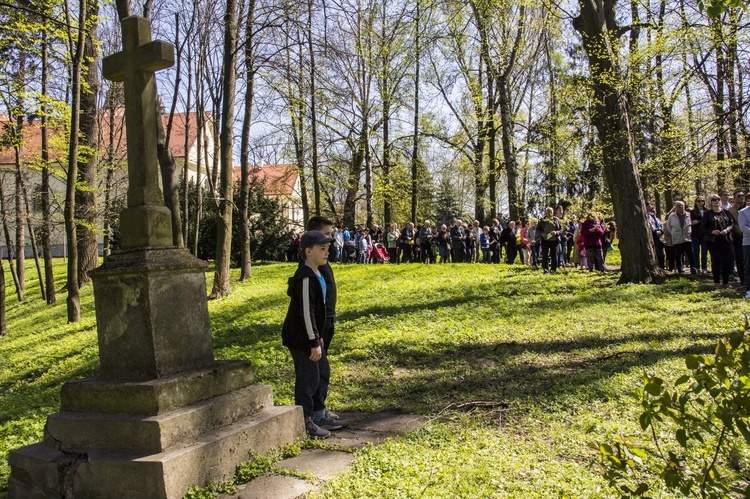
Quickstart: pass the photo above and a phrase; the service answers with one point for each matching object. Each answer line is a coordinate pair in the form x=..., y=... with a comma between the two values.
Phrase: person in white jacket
x=678, y=225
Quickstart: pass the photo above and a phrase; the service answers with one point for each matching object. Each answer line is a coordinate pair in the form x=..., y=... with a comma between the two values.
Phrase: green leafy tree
x=446, y=204
x=268, y=228
x=697, y=429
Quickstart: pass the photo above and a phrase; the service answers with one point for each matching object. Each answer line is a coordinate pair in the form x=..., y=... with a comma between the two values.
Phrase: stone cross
x=143, y=223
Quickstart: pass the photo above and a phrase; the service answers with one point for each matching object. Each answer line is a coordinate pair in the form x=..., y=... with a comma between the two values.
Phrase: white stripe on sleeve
x=306, y=308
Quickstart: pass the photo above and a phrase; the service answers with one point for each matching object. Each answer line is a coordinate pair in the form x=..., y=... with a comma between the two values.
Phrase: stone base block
x=39, y=471
x=81, y=433
x=155, y=396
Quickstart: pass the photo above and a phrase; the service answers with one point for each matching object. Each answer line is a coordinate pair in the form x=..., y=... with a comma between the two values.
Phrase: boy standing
x=302, y=333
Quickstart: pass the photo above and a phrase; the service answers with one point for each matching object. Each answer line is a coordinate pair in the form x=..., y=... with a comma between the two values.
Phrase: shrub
x=696, y=428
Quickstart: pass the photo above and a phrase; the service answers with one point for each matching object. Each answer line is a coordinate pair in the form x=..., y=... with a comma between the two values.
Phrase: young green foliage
x=696, y=428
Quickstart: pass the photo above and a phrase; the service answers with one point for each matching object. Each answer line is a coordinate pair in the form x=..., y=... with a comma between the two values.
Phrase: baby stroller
x=350, y=252
x=380, y=253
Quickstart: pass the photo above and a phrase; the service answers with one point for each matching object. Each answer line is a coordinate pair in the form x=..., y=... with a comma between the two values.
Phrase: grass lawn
x=562, y=353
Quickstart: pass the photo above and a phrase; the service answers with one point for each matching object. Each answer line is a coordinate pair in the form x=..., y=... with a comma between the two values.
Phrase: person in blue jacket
x=302, y=333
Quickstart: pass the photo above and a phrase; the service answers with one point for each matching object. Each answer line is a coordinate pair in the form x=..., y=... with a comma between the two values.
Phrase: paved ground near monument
x=324, y=464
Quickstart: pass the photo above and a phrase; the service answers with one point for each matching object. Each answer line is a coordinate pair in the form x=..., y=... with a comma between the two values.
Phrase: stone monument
x=163, y=414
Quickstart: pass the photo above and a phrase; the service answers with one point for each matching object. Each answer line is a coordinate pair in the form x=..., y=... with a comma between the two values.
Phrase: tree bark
x=226, y=188
x=247, y=121
x=85, y=199
x=313, y=112
x=46, y=229
x=20, y=212
x=9, y=243
x=610, y=115
x=74, y=300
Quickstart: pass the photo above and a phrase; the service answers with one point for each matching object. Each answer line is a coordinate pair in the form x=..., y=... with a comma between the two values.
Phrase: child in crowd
x=484, y=243
x=302, y=334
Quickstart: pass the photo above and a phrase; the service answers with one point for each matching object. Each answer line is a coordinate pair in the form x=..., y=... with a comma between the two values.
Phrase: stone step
x=82, y=433
x=155, y=396
x=165, y=475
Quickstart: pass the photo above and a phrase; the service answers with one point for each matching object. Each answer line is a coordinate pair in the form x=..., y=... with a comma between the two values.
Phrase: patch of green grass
x=561, y=352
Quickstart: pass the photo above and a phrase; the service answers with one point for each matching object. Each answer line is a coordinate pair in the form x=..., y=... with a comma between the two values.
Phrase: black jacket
x=306, y=315
x=331, y=294
x=716, y=221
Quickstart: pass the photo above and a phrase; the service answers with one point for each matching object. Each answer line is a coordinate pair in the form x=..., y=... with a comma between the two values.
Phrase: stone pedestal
x=163, y=415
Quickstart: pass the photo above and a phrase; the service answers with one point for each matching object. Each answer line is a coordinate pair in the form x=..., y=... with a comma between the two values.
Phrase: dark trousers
x=535, y=254
x=459, y=250
x=686, y=249
x=497, y=253
x=595, y=258
x=406, y=253
x=393, y=255
x=427, y=255
x=722, y=259
x=310, y=381
x=700, y=252
x=739, y=257
x=549, y=254
x=659, y=247
x=510, y=253
x=746, y=255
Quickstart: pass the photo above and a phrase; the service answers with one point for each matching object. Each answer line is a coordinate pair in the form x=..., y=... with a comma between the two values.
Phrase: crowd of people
x=551, y=242
x=715, y=230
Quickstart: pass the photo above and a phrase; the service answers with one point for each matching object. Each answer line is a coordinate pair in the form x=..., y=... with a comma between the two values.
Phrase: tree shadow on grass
x=431, y=379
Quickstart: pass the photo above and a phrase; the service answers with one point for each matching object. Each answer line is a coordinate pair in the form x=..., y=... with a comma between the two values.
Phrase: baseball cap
x=313, y=237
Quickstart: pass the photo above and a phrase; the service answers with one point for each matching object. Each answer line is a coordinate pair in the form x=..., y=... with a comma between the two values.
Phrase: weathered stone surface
x=319, y=463
x=145, y=226
x=391, y=422
x=166, y=475
x=274, y=487
x=356, y=439
x=155, y=396
x=81, y=433
x=152, y=314
x=34, y=472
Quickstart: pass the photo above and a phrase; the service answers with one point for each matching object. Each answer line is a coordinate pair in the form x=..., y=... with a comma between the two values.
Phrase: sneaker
x=327, y=423
x=747, y=295
x=314, y=430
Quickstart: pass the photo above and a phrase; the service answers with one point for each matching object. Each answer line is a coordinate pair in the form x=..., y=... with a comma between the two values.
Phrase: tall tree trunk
x=20, y=212
x=415, y=124
x=85, y=196
x=34, y=247
x=46, y=229
x=200, y=125
x=9, y=243
x=352, y=184
x=186, y=152
x=610, y=115
x=247, y=121
x=313, y=111
x=226, y=188
x=718, y=101
x=3, y=327
x=169, y=173
x=74, y=300
x=516, y=210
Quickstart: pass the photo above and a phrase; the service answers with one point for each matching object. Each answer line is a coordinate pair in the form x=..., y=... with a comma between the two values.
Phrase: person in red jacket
x=591, y=233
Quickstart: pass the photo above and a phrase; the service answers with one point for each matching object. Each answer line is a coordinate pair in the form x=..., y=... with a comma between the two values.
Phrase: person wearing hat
x=302, y=333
